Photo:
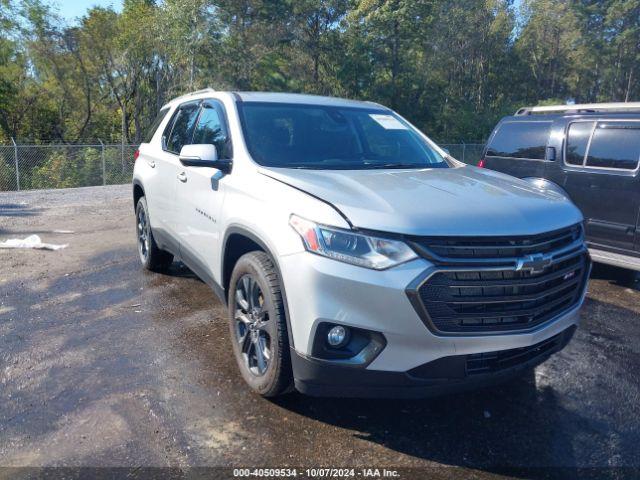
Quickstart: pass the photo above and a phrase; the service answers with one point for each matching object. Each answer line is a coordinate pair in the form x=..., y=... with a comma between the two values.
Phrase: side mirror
x=550, y=154
x=203, y=155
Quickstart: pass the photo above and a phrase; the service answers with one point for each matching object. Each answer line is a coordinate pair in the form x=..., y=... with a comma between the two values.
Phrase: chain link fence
x=469, y=153
x=30, y=167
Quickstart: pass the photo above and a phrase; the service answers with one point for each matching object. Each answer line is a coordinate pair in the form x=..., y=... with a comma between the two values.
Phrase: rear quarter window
x=615, y=145
x=526, y=140
x=179, y=130
x=156, y=123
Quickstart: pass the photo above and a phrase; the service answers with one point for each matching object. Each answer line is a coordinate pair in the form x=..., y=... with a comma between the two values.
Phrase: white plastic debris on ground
x=32, y=241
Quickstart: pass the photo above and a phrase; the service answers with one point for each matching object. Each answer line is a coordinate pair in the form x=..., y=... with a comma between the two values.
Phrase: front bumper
x=320, y=290
x=446, y=375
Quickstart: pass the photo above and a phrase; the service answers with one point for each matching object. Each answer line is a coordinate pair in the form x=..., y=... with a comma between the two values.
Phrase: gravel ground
x=104, y=364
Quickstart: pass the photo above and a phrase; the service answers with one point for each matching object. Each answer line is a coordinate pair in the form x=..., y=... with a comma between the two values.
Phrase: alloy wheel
x=143, y=234
x=253, y=326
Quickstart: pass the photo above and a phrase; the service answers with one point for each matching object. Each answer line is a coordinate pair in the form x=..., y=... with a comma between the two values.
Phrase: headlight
x=345, y=246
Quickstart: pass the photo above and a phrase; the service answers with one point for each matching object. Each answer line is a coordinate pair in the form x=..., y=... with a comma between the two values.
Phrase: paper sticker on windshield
x=388, y=121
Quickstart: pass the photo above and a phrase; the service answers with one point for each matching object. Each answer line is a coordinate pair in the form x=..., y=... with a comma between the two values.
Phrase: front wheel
x=258, y=326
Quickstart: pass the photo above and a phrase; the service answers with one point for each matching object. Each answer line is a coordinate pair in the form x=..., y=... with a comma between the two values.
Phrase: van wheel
x=151, y=256
x=625, y=276
x=258, y=325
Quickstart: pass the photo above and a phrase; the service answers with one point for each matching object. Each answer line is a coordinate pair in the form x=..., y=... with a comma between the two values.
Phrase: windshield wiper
x=395, y=165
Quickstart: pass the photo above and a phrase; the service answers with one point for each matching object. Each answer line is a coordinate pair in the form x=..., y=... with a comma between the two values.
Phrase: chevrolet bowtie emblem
x=533, y=263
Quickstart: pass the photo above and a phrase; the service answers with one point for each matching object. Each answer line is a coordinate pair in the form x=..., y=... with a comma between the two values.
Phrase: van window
x=520, y=140
x=615, y=145
x=182, y=130
x=577, y=142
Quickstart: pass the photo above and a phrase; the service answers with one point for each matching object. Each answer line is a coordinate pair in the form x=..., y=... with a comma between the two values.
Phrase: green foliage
x=453, y=67
x=64, y=168
x=55, y=172
x=7, y=176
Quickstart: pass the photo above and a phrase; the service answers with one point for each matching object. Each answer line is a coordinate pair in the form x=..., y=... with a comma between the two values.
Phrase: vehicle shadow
x=501, y=429
x=180, y=270
x=11, y=210
x=17, y=210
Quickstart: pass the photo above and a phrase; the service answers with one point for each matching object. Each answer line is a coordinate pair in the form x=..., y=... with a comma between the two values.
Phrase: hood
x=443, y=201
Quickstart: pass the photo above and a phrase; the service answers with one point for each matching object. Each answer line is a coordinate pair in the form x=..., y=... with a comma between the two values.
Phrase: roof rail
x=582, y=108
x=197, y=92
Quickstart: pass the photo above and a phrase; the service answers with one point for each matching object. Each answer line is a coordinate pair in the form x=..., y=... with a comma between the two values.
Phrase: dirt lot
x=104, y=364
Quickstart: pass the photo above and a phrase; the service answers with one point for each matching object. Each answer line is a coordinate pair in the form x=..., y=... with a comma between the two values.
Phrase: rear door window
x=526, y=140
x=578, y=137
x=615, y=145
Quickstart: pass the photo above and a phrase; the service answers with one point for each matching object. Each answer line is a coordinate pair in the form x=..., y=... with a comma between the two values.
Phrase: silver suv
x=356, y=257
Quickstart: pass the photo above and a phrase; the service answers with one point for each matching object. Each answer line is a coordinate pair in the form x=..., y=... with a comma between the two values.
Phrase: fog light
x=336, y=336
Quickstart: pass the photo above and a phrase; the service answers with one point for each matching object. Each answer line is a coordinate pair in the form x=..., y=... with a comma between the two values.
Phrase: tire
x=625, y=276
x=258, y=326
x=151, y=256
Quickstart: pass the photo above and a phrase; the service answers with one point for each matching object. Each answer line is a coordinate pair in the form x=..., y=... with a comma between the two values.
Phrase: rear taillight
x=481, y=163
x=136, y=154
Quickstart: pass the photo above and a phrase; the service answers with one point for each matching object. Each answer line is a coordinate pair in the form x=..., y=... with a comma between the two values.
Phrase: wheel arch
x=249, y=241
x=546, y=184
x=138, y=193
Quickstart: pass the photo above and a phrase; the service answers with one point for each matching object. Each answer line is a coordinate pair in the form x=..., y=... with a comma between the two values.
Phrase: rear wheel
x=258, y=326
x=151, y=256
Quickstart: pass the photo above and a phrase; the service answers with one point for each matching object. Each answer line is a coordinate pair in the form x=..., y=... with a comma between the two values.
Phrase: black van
x=589, y=153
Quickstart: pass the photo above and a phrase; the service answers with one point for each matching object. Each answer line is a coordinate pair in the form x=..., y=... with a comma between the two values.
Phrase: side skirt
x=200, y=269
x=166, y=242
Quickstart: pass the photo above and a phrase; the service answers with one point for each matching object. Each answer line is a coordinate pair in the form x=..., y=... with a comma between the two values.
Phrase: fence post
x=15, y=158
x=464, y=150
x=104, y=169
x=122, y=142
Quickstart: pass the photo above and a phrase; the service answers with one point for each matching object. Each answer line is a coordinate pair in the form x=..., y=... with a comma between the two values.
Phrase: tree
x=316, y=37
x=453, y=67
x=551, y=46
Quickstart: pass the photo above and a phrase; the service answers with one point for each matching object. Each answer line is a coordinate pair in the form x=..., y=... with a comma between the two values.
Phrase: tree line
x=452, y=67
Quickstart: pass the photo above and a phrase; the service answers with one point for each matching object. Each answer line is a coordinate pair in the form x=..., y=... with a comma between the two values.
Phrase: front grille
x=496, y=295
x=456, y=248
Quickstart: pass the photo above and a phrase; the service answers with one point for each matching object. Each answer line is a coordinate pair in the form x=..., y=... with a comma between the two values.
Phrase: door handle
x=151, y=163
x=182, y=177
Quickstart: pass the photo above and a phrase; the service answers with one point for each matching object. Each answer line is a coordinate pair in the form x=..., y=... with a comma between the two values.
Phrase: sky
x=72, y=9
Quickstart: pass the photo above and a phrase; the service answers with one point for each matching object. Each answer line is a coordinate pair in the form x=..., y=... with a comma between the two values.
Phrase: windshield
x=327, y=137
